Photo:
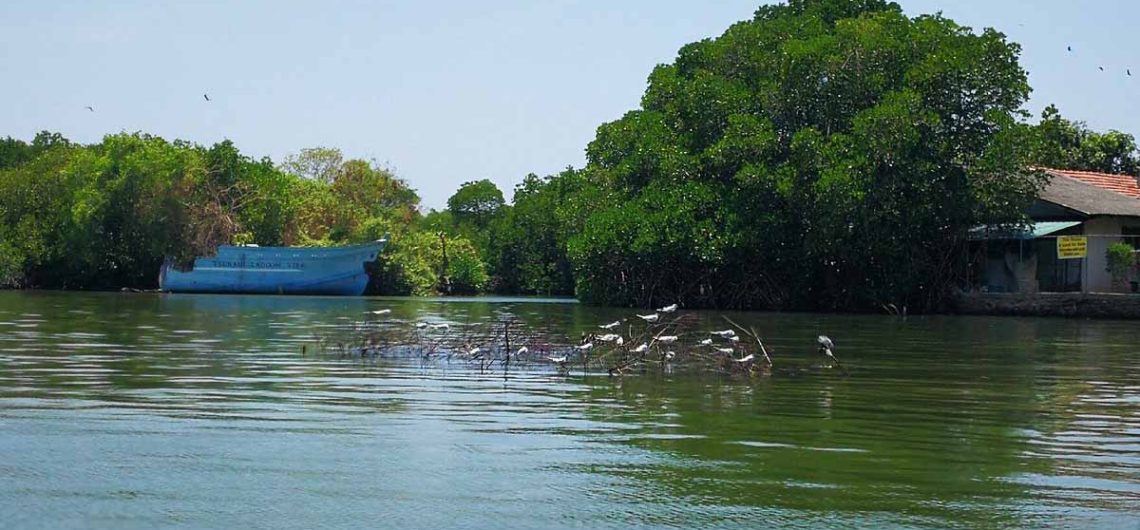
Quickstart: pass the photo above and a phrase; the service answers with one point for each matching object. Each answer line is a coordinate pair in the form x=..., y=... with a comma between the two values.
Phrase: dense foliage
x=823, y=155
x=106, y=215
x=1060, y=143
x=826, y=154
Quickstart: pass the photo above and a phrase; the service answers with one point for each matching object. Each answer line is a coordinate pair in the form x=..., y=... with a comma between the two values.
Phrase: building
x=1074, y=220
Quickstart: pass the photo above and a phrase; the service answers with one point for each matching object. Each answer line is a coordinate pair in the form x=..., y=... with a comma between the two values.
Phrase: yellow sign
x=1072, y=247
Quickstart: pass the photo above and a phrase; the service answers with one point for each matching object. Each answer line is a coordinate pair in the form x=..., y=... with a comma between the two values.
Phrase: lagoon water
x=183, y=411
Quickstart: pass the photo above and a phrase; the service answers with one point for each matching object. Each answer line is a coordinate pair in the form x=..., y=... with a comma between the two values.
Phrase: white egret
x=734, y=338
x=669, y=355
x=381, y=311
x=521, y=351
x=619, y=341
x=746, y=358
x=706, y=342
x=668, y=308
x=641, y=349
x=667, y=339
x=726, y=333
x=611, y=325
x=825, y=347
x=609, y=337
x=725, y=350
x=649, y=318
x=585, y=346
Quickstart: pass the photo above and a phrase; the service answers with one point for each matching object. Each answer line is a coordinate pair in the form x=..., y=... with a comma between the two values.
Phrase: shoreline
x=1101, y=306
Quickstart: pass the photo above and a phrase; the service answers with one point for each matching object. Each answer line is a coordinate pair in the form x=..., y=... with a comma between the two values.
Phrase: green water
x=176, y=411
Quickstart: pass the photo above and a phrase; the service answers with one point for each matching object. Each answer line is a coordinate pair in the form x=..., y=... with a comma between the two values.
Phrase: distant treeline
x=824, y=155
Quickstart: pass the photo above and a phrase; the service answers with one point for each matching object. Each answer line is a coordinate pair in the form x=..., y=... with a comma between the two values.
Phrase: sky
x=446, y=92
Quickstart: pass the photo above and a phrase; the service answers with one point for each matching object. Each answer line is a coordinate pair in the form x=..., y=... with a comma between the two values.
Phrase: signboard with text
x=1072, y=247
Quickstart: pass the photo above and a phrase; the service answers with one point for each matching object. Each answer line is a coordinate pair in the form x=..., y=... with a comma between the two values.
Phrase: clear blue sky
x=447, y=91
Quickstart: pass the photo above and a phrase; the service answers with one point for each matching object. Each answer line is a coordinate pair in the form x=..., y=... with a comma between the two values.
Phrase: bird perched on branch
x=611, y=325
x=726, y=333
x=668, y=309
x=649, y=318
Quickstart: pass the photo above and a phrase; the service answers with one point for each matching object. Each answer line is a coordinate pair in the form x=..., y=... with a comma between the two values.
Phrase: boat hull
x=276, y=270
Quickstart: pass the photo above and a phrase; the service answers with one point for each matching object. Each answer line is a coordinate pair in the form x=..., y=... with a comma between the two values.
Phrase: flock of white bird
x=728, y=347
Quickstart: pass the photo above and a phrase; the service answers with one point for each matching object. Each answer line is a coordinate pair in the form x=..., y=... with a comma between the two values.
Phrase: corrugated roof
x=1087, y=198
x=1034, y=231
x=1122, y=184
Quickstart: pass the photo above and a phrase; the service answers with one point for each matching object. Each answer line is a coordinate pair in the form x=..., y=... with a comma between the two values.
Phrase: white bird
x=473, y=352
x=421, y=325
x=734, y=338
x=746, y=358
x=725, y=350
x=668, y=309
x=585, y=346
x=641, y=349
x=557, y=360
x=521, y=351
x=669, y=355
x=609, y=337
x=649, y=318
x=706, y=342
x=667, y=339
x=726, y=333
x=611, y=325
x=620, y=341
x=381, y=311
x=825, y=347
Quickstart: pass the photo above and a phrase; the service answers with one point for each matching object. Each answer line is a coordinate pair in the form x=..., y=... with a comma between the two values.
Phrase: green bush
x=1121, y=259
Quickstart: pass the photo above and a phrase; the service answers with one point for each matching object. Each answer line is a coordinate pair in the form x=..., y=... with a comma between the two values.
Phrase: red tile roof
x=1122, y=184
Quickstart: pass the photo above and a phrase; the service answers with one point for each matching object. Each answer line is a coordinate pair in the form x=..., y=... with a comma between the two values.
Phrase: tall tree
x=825, y=154
x=316, y=163
x=476, y=202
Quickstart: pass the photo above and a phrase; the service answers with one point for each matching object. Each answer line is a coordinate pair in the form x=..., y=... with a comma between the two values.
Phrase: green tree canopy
x=826, y=154
x=476, y=202
x=1063, y=144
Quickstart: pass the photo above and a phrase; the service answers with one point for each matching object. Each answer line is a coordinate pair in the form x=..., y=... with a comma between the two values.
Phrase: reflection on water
x=200, y=411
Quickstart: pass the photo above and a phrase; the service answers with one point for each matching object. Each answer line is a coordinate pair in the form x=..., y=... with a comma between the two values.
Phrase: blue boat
x=276, y=270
